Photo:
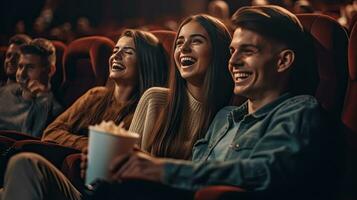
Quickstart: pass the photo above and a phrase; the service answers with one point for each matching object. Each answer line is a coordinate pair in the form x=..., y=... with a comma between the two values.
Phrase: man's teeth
x=241, y=75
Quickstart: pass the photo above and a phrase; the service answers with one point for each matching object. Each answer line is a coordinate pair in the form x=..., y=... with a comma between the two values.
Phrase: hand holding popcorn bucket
x=106, y=141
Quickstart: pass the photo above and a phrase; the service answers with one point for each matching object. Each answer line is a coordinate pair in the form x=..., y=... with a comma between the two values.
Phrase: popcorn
x=110, y=127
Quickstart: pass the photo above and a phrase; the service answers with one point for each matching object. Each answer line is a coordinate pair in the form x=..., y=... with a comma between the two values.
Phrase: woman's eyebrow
x=198, y=35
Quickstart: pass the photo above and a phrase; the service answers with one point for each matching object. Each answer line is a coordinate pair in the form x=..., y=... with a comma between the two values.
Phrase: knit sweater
x=71, y=128
x=148, y=110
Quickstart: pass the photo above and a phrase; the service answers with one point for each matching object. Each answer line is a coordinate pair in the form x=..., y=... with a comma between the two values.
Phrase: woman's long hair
x=217, y=89
x=152, y=71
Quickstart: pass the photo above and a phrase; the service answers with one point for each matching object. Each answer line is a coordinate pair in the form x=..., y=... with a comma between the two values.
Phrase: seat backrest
x=349, y=116
x=167, y=38
x=330, y=41
x=85, y=66
x=57, y=78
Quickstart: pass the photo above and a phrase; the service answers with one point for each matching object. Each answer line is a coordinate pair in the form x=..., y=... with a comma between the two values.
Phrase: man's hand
x=137, y=165
x=84, y=162
x=35, y=87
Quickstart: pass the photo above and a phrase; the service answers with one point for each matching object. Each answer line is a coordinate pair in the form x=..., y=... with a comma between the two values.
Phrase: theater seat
x=349, y=116
x=167, y=38
x=330, y=42
x=57, y=78
x=85, y=66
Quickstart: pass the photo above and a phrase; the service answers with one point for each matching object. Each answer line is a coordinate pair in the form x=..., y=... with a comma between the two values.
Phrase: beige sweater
x=148, y=110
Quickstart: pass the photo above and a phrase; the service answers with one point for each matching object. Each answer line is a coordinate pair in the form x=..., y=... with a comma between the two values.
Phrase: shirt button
x=237, y=145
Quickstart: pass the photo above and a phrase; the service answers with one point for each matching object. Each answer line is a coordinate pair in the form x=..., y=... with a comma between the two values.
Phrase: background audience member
x=12, y=56
x=30, y=104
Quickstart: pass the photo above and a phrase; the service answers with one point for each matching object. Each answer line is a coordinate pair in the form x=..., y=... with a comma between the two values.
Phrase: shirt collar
x=242, y=110
x=261, y=112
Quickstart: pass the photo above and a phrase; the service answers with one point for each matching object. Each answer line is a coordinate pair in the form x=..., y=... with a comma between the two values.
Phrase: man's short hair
x=43, y=48
x=273, y=22
x=19, y=39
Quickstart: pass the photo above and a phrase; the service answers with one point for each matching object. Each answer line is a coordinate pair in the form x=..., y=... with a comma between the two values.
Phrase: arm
x=65, y=130
x=147, y=113
x=280, y=156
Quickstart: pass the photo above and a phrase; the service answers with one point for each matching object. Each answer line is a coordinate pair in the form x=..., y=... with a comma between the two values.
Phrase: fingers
x=35, y=87
x=84, y=162
x=118, y=162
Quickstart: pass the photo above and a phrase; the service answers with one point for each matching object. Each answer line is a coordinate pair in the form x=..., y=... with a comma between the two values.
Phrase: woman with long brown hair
x=171, y=120
x=138, y=62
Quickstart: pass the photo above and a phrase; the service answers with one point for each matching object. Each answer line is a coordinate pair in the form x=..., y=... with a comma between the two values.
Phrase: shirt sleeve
x=279, y=156
x=147, y=112
x=64, y=129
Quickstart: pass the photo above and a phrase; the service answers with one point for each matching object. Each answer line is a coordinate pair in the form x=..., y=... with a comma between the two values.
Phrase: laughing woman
x=171, y=120
x=138, y=62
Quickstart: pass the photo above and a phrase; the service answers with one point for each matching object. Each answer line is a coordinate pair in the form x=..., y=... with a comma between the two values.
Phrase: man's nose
x=236, y=60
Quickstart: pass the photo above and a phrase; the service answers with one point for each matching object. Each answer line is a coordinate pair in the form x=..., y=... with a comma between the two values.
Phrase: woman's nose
x=186, y=46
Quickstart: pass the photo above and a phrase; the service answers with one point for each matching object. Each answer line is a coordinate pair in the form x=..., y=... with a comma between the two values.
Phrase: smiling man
x=29, y=102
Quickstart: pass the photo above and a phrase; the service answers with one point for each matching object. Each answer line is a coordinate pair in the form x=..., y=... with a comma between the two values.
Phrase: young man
x=266, y=144
x=12, y=56
x=30, y=102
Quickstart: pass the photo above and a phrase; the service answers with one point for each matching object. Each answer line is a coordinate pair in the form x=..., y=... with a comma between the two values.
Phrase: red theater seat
x=330, y=41
x=349, y=116
x=57, y=78
x=85, y=66
x=167, y=38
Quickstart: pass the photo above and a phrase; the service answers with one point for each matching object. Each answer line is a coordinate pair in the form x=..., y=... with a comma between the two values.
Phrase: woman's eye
x=179, y=43
x=196, y=41
x=129, y=52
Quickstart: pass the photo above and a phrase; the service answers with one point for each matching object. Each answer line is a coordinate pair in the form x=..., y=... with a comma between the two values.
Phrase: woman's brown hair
x=218, y=87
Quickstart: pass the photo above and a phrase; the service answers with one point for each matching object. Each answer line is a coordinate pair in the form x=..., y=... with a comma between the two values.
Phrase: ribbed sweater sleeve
x=147, y=112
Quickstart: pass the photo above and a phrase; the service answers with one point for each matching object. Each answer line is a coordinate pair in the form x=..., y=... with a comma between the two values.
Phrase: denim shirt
x=270, y=147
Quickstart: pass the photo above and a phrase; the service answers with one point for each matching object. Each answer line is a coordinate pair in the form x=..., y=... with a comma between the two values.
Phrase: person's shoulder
x=225, y=110
x=97, y=91
x=10, y=88
x=306, y=101
x=299, y=105
x=155, y=93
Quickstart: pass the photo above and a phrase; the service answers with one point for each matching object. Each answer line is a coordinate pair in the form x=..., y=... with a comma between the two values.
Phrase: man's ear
x=286, y=59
